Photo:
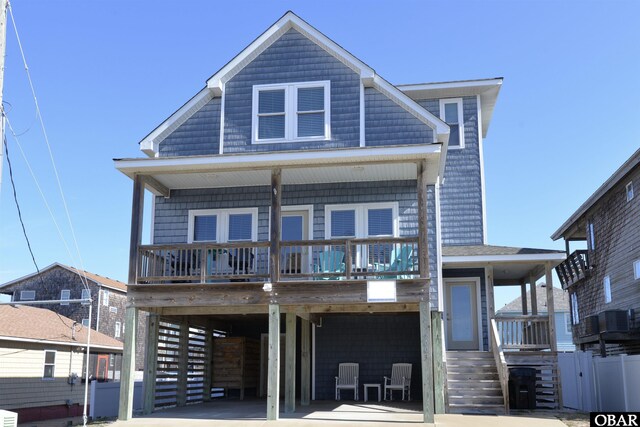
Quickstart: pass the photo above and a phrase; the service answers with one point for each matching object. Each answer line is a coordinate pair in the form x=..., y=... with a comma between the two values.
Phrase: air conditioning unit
x=591, y=325
x=8, y=419
x=614, y=321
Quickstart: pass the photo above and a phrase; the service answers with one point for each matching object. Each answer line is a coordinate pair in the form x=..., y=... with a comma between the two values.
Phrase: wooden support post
x=183, y=364
x=305, y=362
x=523, y=297
x=426, y=357
x=491, y=303
x=423, y=237
x=127, y=382
x=273, y=375
x=534, y=295
x=552, y=327
x=290, y=364
x=276, y=222
x=208, y=363
x=125, y=411
x=439, y=379
x=151, y=363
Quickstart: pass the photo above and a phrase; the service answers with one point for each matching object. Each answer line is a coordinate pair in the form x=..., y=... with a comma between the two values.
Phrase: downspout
x=98, y=309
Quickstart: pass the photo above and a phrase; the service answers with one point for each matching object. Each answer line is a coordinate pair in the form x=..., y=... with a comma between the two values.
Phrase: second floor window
x=65, y=294
x=290, y=112
x=27, y=295
x=629, y=191
x=592, y=236
x=105, y=298
x=223, y=225
x=574, y=309
x=606, y=283
x=451, y=112
x=117, y=331
x=86, y=294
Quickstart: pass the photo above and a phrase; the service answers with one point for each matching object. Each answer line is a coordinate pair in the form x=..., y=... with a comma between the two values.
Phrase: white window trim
x=291, y=111
x=222, y=223
x=44, y=364
x=575, y=315
x=62, y=297
x=85, y=323
x=86, y=293
x=628, y=193
x=22, y=298
x=362, y=220
x=105, y=297
x=567, y=323
x=606, y=285
x=636, y=269
x=117, y=333
x=592, y=236
x=460, y=119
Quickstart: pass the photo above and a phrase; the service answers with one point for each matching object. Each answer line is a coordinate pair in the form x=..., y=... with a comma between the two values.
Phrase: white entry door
x=461, y=300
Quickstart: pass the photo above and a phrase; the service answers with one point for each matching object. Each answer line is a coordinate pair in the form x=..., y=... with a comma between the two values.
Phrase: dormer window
x=451, y=113
x=291, y=112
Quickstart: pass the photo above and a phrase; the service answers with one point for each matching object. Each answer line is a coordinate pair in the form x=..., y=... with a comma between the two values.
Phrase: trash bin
x=522, y=388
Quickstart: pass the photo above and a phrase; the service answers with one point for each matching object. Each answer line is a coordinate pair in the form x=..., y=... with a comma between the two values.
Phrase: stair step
x=472, y=376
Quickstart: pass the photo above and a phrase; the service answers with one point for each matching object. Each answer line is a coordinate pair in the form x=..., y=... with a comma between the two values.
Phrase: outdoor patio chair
x=347, y=379
x=330, y=261
x=401, y=260
x=400, y=380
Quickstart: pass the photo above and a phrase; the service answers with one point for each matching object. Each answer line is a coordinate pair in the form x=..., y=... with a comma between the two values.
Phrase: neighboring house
x=42, y=356
x=58, y=281
x=562, y=322
x=603, y=280
x=292, y=183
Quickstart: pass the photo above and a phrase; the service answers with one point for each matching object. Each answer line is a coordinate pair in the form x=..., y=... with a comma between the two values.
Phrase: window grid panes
x=49, y=364
x=240, y=227
x=205, y=228
x=310, y=111
x=451, y=115
x=65, y=294
x=86, y=294
x=271, y=114
x=343, y=223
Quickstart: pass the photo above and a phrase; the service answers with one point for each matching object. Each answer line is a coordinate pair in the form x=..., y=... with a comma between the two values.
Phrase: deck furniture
x=376, y=386
x=347, y=378
x=401, y=259
x=330, y=261
x=400, y=380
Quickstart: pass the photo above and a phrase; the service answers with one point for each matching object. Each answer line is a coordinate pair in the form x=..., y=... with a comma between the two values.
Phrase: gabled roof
x=560, y=301
x=614, y=179
x=215, y=84
x=31, y=324
x=100, y=280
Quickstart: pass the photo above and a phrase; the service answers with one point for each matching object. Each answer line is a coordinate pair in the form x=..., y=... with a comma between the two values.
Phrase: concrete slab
x=252, y=413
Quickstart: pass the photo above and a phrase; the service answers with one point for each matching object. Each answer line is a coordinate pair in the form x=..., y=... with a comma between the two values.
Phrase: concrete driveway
x=253, y=413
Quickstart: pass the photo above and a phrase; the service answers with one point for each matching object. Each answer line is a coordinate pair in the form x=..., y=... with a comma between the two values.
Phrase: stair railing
x=501, y=364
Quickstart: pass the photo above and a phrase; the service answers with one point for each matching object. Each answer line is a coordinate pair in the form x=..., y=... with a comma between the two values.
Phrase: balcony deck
x=574, y=269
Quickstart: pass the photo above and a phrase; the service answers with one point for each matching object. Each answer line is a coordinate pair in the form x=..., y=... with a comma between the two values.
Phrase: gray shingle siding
x=199, y=135
x=172, y=215
x=293, y=58
x=461, y=193
x=386, y=123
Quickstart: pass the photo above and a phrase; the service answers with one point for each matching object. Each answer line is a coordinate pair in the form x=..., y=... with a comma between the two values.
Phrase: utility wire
x=44, y=198
x=15, y=198
x=46, y=138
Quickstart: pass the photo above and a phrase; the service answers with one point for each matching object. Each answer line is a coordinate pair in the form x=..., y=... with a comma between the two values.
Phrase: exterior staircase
x=472, y=383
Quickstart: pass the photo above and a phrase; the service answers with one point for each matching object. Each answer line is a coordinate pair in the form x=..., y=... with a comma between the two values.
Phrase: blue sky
x=107, y=72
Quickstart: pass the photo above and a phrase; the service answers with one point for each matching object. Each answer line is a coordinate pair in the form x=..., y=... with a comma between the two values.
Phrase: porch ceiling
x=299, y=167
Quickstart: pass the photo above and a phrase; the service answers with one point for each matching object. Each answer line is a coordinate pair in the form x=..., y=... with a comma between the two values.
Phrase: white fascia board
x=475, y=259
x=200, y=163
x=149, y=145
x=465, y=84
x=288, y=21
x=65, y=343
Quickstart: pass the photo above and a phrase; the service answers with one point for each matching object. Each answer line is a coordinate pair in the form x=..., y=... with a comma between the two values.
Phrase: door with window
x=461, y=311
x=294, y=227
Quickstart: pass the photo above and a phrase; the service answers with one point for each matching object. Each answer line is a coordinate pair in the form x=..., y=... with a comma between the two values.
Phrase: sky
x=106, y=73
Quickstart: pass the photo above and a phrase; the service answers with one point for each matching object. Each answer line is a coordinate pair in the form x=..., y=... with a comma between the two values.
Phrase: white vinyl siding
x=291, y=112
x=606, y=284
x=451, y=112
x=65, y=294
x=223, y=225
x=27, y=295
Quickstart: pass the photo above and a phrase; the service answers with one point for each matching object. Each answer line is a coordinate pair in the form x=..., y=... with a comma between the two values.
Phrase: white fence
x=106, y=396
x=600, y=384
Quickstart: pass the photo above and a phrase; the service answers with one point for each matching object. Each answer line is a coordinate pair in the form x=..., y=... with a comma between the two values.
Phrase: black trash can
x=522, y=388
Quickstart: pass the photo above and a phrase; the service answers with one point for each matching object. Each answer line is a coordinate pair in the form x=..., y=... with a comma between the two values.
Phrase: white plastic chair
x=400, y=380
x=347, y=379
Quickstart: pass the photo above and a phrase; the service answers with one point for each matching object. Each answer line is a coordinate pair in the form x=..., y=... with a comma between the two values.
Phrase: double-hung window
x=362, y=221
x=86, y=294
x=65, y=295
x=49, y=364
x=451, y=112
x=291, y=112
x=223, y=225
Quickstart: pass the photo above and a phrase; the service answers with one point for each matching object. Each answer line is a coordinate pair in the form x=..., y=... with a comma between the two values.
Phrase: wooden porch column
x=273, y=375
x=523, y=297
x=151, y=363
x=491, y=304
x=183, y=365
x=125, y=406
x=438, y=361
x=534, y=295
x=290, y=364
x=426, y=350
x=305, y=362
x=276, y=218
x=208, y=363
